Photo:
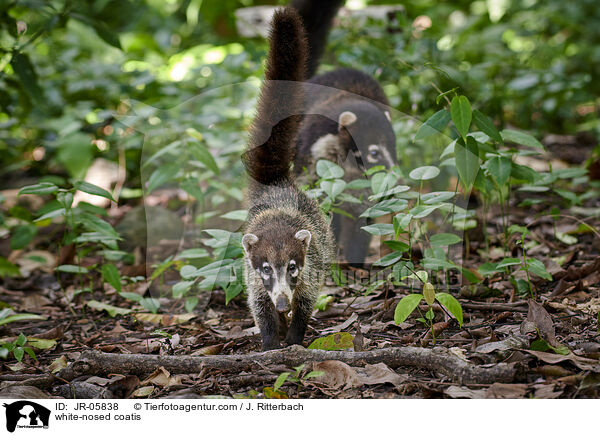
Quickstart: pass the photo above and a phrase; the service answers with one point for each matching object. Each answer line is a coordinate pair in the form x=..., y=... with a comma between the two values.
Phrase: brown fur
x=285, y=228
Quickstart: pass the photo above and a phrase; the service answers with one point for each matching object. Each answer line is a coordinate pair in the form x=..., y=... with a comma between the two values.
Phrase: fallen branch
x=437, y=360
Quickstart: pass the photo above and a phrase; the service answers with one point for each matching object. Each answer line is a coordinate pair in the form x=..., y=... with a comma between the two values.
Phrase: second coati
x=288, y=246
x=346, y=121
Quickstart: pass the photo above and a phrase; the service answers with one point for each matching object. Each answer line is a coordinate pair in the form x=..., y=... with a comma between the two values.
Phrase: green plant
x=17, y=348
x=409, y=303
x=295, y=377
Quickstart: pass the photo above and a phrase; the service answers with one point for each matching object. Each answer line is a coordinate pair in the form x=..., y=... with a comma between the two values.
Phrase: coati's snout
x=282, y=304
x=280, y=264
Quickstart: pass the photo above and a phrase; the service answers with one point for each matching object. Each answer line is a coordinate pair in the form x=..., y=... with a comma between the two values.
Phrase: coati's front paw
x=291, y=339
x=270, y=345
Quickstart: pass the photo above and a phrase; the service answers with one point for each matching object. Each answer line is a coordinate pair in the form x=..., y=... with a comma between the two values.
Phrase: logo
x=26, y=414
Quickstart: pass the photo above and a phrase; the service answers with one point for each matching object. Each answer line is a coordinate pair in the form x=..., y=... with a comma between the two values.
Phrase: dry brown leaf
x=457, y=392
x=161, y=378
x=215, y=349
x=546, y=391
x=505, y=391
x=340, y=375
x=58, y=364
x=164, y=319
x=336, y=374
x=553, y=358
x=143, y=391
x=373, y=374
x=538, y=315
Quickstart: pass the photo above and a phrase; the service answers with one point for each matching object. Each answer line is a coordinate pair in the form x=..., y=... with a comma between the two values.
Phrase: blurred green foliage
x=67, y=67
x=167, y=88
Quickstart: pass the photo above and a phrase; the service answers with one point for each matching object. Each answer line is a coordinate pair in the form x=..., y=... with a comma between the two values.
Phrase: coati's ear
x=346, y=119
x=247, y=241
x=304, y=236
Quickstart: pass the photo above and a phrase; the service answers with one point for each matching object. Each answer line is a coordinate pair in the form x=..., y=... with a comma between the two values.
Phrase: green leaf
x=110, y=274
x=329, y=170
x=193, y=253
x=323, y=301
x=19, y=317
x=41, y=343
x=429, y=293
x=7, y=269
x=22, y=236
x=467, y=161
x=444, y=239
x=437, y=264
x=389, y=192
x=452, y=305
x=460, y=109
x=508, y=262
x=95, y=224
x=422, y=211
x=536, y=267
x=435, y=124
x=397, y=246
x=333, y=187
x=500, y=168
x=71, y=268
x=337, y=341
x=313, y=374
x=424, y=173
x=389, y=259
x=236, y=215
x=436, y=197
x=385, y=207
x=18, y=352
x=109, y=36
x=231, y=291
x=30, y=352
x=521, y=138
x=487, y=269
x=110, y=309
x=484, y=124
x=406, y=306
x=24, y=70
x=203, y=155
x=102, y=30
x=131, y=296
x=92, y=189
x=39, y=189
x=162, y=175
x=21, y=340
x=379, y=229
x=521, y=172
x=280, y=380
x=150, y=304
x=383, y=182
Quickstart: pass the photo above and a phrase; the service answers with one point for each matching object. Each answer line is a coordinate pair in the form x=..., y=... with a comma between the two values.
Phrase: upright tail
x=271, y=146
x=317, y=16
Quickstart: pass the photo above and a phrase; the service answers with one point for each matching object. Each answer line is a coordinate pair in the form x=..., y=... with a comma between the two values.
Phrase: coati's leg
x=267, y=320
x=302, y=306
x=354, y=240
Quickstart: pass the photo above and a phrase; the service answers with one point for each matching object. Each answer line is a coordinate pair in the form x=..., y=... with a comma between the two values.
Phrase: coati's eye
x=374, y=153
x=292, y=266
x=266, y=269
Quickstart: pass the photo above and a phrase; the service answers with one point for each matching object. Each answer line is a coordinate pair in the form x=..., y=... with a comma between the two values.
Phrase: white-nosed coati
x=346, y=121
x=287, y=243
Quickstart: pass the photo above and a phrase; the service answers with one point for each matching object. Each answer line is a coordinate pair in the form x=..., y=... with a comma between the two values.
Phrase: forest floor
x=510, y=345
